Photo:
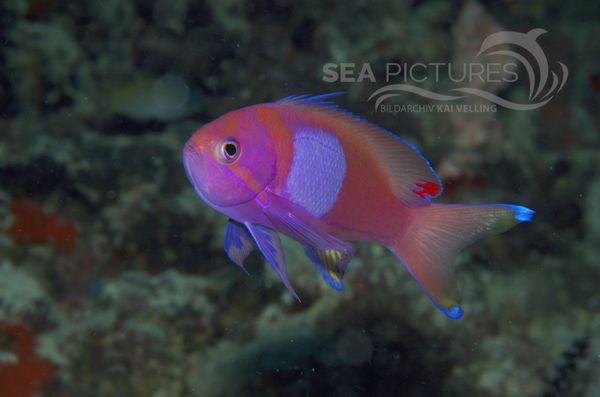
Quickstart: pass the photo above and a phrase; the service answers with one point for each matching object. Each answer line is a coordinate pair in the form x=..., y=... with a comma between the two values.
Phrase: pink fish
x=324, y=177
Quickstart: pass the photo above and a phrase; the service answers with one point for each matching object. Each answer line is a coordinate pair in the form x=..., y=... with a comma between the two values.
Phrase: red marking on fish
x=32, y=225
x=30, y=373
x=426, y=189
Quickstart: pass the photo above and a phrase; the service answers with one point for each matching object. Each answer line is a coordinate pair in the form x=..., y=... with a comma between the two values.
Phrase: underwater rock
x=21, y=295
x=28, y=374
x=133, y=329
x=477, y=137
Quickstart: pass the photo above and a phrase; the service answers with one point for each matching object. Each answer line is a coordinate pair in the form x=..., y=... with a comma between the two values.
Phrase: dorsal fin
x=313, y=99
x=412, y=178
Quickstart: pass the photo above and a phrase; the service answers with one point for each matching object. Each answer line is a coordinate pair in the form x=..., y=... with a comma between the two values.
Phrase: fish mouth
x=190, y=152
x=195, y=167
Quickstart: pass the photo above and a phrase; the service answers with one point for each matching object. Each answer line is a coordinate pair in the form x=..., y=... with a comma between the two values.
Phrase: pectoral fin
x=238, y=243
x=269, y=244
x=292, y=220
x=331, y=263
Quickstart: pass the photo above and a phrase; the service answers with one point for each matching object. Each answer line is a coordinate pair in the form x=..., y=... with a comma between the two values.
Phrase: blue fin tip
x=522, y=214
x=454, y=312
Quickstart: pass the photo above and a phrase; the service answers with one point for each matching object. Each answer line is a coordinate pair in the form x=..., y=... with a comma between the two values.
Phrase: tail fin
x=440, y=231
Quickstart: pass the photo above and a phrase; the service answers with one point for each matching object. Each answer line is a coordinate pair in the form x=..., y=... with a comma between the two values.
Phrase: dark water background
x=113, y=281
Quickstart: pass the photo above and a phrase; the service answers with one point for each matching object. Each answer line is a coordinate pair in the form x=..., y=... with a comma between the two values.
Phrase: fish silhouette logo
x=544, y=83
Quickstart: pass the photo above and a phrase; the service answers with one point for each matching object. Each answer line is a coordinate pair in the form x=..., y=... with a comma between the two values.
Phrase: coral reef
x=112, y=270
x=477, y=137
x=27, y=373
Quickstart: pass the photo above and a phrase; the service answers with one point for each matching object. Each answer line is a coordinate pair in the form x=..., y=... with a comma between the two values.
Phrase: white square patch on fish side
x=317, y=171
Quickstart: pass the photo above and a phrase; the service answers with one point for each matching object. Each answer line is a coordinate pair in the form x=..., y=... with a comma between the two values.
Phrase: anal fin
x=331, y=263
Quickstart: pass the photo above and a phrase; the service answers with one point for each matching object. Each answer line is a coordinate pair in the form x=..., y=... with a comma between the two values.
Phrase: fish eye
x=229, y=150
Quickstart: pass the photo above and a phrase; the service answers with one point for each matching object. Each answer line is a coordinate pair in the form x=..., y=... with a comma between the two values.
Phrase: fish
x=308, y=169
x=144, y=99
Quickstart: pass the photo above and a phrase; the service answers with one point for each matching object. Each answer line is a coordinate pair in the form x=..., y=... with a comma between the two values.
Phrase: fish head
x=230, y=160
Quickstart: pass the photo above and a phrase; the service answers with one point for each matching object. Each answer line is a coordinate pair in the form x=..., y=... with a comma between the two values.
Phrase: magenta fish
x=324, y=177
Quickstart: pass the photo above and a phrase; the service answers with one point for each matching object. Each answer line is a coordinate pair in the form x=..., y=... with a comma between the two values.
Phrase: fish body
x=324, y=177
